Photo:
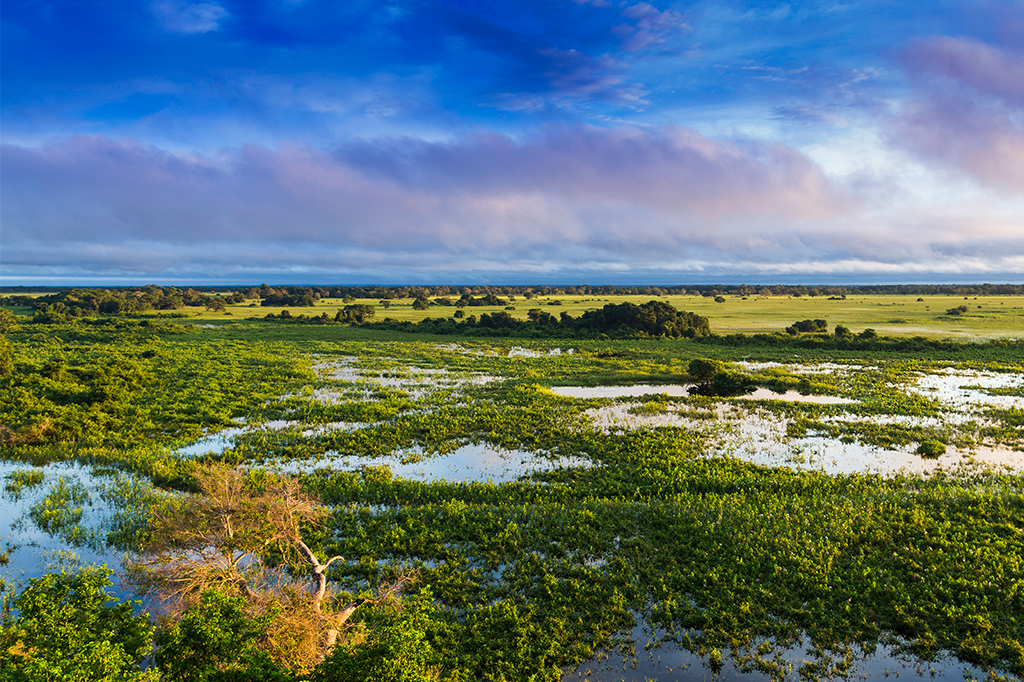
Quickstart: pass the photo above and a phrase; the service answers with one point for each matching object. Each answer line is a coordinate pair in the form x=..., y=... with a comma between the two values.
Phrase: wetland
x=570, y=508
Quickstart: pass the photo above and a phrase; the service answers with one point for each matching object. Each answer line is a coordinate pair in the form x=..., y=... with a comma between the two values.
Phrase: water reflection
x=632, y=391
x=760, y=436
x=961, y=389
x=31, y=552
x=667, y=662
x=683, y=390
x=416, y=381
x=469, y=463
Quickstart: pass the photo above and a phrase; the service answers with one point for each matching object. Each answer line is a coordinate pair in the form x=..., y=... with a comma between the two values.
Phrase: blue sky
x=565, y=141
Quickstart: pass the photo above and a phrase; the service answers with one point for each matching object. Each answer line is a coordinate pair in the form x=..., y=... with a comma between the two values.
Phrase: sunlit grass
x=891, y=315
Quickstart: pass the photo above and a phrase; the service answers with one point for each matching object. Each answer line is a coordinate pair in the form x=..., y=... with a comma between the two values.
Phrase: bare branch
x=217, y=539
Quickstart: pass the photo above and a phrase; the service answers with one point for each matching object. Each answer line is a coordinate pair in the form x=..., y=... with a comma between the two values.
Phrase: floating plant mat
x=964, y=389
x=856, y=436
x=416, y=381
x=573, y=517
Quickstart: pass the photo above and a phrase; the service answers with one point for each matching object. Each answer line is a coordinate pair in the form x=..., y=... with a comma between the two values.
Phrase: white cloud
x=182, y=17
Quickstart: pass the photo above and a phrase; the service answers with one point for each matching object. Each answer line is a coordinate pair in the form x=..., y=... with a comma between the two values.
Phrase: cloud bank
x=576, y=196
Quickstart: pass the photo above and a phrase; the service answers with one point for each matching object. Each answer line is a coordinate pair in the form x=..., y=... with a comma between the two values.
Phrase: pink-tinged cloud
x=967, y=110
x=651, y=28
x=986, y=143
x=672, y=169
x=968, y=63
x=642, y=191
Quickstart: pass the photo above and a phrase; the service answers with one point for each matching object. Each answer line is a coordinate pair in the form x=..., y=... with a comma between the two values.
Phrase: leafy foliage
x=217, y=640
x=65, y=630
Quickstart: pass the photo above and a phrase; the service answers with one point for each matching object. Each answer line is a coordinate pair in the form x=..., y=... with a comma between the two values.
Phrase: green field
x=524, y=571
x=987, y=317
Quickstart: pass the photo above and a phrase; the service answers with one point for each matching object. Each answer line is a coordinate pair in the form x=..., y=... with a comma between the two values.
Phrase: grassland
x=987, y=316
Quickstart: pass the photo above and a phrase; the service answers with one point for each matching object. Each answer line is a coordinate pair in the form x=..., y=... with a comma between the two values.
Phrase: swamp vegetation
x=598, y=513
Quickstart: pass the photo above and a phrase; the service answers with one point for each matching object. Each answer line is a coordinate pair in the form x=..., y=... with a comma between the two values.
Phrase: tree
x=398, y=652
x=223, y=539
x=355, y=314
x=66, y=630
x=703, y=370
x=6, y=359
x=8, y=323
x=421, y=303
x=807, y=327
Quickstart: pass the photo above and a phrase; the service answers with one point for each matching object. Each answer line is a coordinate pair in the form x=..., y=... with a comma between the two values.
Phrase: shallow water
x=683, y=390
x=33, y=552
x=416, y=381
x=622, y=391
x=517, y=351
x=819, y=368
x=960, y=389
x=795, y=397
x=469, y=463
x=759, y=436
x=668, y=662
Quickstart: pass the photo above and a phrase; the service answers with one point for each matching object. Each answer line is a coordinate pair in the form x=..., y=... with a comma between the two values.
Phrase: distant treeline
x=304, y=295
x=78, y=302
x=614, y=320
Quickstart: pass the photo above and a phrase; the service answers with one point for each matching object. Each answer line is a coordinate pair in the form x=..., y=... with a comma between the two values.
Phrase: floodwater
x=818, y=368
x=964, y=389
x=683, y=390
x=416, y=381
x=514, y=351
x=759, y=435
x=795, y=397
x=622, y=391
x=669, y=663
x=33, y=552
x=469, y=463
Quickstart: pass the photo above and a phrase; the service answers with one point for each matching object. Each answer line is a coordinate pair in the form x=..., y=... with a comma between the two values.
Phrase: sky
x=559, y=141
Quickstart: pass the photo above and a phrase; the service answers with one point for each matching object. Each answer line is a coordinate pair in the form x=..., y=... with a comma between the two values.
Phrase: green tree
x=703, y=370
x=6, y=359
x=67, y=630
x=843, y=332
x=398, y=651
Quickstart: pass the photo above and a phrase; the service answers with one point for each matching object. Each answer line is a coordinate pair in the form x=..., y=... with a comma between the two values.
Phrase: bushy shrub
x=931, y=449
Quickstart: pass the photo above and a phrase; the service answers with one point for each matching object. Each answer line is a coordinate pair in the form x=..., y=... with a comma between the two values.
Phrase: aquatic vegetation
x=60, y=511
x=20, y=479
x=931, y=448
